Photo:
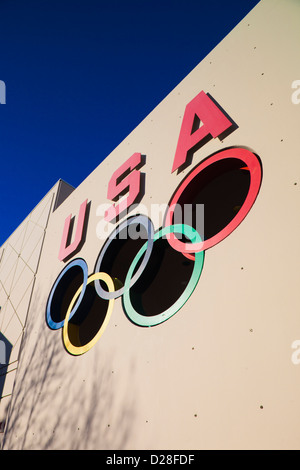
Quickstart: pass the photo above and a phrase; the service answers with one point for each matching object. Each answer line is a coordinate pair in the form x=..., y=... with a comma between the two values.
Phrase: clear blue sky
x=81, y=75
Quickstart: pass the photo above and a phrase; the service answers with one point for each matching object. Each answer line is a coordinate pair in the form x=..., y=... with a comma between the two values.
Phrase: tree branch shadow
x=53, y=408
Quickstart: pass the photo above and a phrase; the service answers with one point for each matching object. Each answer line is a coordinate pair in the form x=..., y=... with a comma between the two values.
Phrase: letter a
x=214, y=123
x=65, y=249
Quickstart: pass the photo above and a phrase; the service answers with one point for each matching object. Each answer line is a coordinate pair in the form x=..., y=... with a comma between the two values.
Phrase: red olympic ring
x=252, y=164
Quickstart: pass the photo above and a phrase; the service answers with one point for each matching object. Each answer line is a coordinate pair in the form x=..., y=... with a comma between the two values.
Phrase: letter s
x=130, y=183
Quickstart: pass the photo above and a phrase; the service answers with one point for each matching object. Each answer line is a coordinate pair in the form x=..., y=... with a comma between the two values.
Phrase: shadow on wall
x=56, y=407
x=5, y=351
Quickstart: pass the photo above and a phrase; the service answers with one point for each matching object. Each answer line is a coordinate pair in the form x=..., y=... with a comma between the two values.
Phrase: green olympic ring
x=143, y=320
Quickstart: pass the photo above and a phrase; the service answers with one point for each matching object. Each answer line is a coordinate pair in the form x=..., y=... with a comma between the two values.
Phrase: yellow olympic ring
x=74, y=329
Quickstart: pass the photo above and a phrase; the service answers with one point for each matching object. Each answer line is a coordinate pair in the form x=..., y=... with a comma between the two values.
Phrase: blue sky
x=80, y=75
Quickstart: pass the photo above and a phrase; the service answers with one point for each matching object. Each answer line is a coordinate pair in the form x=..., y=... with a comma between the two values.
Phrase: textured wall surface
x=20, y=256
x=218, y=374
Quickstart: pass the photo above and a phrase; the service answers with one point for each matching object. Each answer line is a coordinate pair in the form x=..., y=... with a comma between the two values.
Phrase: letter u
x=65, y=248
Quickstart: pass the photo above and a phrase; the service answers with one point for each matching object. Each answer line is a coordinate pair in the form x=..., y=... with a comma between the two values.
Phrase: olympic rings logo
x=76, y=295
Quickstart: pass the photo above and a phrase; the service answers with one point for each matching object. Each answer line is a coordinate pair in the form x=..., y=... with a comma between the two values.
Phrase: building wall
x=219, y=373
x=20, y=256
x=19, y=262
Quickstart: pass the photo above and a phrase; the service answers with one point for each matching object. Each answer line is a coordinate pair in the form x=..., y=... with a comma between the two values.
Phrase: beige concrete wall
x=20, y=256
x=218, y=374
